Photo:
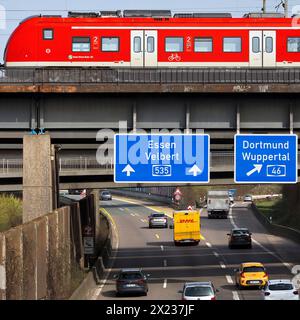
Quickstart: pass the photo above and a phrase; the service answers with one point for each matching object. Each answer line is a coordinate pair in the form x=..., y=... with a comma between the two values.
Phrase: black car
x=131, y=281
x=240, y=237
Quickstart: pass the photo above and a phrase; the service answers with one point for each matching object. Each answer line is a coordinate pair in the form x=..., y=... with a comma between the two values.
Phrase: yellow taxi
x=251, y=274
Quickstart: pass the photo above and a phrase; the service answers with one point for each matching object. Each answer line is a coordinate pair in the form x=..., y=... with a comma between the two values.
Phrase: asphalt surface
x=170, y=267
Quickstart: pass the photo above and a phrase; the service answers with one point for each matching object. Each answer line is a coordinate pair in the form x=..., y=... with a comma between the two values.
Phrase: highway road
x=170, y=267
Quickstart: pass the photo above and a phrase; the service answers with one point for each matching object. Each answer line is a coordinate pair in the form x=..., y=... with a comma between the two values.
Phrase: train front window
x=232, y=44
x=48, y=34
x=293, y=44
x=81, y=44
x=203, y=44
x=110, y=44
x=174, y=44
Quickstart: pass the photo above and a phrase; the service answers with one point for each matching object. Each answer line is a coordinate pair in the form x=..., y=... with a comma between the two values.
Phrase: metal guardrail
x=13, y=166
x=149, y=76
x=221, y=160
x=82, y=164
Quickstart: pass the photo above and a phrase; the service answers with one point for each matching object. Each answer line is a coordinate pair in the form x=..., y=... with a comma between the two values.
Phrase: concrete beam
x=152, y=88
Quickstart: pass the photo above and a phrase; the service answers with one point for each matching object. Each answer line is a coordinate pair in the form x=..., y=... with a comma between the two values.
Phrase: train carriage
x=154, y=39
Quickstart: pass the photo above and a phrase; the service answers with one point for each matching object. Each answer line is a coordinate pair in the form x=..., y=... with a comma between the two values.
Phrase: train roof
x=151, y=20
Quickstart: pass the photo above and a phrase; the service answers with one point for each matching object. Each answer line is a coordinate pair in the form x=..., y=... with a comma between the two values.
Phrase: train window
x=174, y=44
x=48, y=34
x=203, y=45
x=232, y=44
x=150, y=44
x=255, y=45
x=293, y=44
x=81, y=44
x=269, y=44
x=137, y=44
x=110, y=44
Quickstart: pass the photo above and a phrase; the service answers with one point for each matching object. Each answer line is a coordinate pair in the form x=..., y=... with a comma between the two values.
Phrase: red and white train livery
x=88, y=41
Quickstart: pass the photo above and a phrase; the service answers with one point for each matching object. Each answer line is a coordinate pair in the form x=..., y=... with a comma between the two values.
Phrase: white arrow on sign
x=195, y=170
x=257, y=167
x=128, y=169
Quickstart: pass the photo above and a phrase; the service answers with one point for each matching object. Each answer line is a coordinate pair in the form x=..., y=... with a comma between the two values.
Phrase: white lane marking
x=121, y=209
x=165, y=283
x=157, y=236
x=165, y=263
x=222, y=265
x=229, y=279
x=132, y=214
x=113, y=258
x=162, y=248
x=287, y=265
x=216, y=254
x=208, y=244
x=235, y=295
x=137, y=214
x=142, y=220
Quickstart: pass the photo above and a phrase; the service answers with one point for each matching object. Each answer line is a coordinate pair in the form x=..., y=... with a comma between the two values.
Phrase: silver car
x=198, y=291
x=158, y=220
x=280, y=290
x=105, y=195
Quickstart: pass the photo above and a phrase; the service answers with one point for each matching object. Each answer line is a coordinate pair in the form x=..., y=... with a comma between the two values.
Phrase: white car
x=248, y=198
x=280, y=290
x=198, y=291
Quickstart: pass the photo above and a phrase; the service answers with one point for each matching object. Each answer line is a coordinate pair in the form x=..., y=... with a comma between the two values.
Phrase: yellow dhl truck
x=186, y=227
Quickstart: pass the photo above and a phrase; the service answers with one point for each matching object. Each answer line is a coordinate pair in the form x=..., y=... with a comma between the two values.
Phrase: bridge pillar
x=39, y=187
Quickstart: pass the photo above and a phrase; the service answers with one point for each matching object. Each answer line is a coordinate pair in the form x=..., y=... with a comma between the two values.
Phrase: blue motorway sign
x=161, y=158
x=266, y=158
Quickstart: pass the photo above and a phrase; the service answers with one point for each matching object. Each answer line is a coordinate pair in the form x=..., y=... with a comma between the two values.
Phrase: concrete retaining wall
x=35, y=259
x=44, y=258
x=142, y=195
x=276, y=229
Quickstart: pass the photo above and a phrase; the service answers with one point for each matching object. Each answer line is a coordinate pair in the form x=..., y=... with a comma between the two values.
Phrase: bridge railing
x=218, y=161
x=149, y=75
x=83, y=163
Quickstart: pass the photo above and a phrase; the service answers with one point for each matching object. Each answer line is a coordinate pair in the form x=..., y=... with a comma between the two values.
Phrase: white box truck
x=218, y=204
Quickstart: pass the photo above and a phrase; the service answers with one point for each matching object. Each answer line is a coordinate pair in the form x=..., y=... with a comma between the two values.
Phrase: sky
x=13, y=11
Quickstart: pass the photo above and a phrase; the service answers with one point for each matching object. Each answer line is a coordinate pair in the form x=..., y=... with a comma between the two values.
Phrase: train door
x=255, y=49
x=262, y=48
x=144, y=48
x=137, y=48
x=150, y=40
x=269, y=48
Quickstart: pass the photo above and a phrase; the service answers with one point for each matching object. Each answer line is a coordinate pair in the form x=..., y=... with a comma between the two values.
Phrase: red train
x=154, y=39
